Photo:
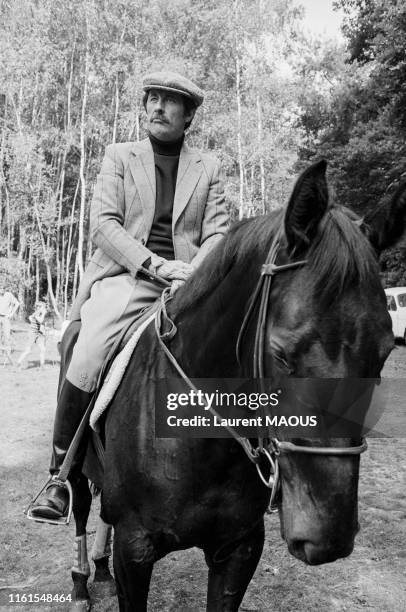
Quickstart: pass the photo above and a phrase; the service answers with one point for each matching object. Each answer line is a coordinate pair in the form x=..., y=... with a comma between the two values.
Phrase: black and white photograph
x=203, y=305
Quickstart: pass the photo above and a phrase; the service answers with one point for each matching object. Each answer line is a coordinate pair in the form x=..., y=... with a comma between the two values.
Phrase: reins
x=261, y=294
x=162, y=313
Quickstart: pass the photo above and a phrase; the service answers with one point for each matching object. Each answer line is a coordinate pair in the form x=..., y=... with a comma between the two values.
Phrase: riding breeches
x=113, y=303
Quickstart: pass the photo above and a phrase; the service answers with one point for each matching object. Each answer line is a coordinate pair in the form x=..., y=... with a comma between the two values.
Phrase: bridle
x=274, y=447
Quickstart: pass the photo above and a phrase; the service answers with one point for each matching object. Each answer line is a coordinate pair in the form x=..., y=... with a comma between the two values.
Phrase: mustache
x=160, y=117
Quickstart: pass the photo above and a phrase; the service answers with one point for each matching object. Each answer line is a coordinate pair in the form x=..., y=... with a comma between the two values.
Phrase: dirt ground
x=36, y=558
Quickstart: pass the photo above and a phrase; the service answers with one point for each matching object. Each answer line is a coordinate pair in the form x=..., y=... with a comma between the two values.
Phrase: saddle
x=93, y=466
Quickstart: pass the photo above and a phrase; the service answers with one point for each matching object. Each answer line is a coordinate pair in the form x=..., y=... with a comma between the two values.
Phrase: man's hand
x=174, y=270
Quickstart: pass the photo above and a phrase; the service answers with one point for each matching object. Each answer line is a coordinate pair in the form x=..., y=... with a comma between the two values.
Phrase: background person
x=8, y=307
x=37, y=334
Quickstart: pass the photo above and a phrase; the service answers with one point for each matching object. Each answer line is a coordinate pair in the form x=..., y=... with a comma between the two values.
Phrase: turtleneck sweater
x=166, y=158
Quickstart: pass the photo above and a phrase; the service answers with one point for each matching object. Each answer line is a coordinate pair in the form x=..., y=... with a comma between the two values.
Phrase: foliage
x=359, y=124
x=70, y=84
x=70, y=78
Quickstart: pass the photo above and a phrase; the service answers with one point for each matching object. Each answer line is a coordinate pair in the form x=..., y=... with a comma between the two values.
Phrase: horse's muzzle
x=313, y=553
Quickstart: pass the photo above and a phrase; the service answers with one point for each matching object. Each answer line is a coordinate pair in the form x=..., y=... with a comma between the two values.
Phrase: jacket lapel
x=141, y=162
x=142, y=166
x=189, y=171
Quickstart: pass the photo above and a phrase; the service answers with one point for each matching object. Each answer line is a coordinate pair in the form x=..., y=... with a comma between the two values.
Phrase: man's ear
x=189, y=115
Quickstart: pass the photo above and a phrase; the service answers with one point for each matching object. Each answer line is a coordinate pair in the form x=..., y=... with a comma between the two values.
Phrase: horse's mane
x=340, y=256
x=242, y=241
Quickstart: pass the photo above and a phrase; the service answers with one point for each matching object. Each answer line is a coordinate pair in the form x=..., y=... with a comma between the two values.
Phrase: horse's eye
x=281, y=360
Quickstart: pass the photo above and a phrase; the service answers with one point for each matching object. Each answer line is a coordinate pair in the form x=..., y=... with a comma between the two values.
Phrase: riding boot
x=72, y=404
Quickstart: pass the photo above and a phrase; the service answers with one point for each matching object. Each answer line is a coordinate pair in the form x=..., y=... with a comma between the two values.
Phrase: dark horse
x=324, y=319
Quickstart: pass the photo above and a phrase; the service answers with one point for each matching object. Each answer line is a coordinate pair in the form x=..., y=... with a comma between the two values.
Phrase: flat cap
x=172, y=81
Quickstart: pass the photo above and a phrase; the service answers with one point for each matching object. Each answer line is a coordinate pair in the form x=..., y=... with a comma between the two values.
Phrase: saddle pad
x=115, y=374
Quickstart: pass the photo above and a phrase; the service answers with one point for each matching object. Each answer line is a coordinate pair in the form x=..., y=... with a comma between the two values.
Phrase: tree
x=70, y=78
x=360, y=126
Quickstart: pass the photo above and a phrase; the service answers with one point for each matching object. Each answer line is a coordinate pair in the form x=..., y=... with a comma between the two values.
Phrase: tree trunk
x=117, y=90
x=62, y=250
x=261, y=153
x=69, y=95
x=35, y=100
x=239, y=138
x=58, y=255
x=29, y=264
x=3, y=186
x=116, y=105
x=75, y=280
x=79, y=254
x=27, y=272
x=137, y=124
x=35, y=196
x=8, y=217
x=2, y=143
x=37, y=283
x=21, y=254
x=69, y=254
x=237, y=44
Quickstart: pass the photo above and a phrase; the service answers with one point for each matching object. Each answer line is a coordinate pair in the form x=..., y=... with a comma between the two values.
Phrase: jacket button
x=142, y=240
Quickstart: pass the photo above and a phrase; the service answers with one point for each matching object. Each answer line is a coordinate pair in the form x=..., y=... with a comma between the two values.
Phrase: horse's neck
x=207, y=336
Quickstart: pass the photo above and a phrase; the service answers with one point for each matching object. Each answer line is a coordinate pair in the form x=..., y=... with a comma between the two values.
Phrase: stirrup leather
x=64, y=520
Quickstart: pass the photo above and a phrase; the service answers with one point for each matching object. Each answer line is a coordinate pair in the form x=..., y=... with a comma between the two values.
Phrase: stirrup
x=64, y=520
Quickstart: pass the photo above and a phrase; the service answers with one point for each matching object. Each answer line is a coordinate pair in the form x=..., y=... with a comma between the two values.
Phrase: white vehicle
x=396, y=299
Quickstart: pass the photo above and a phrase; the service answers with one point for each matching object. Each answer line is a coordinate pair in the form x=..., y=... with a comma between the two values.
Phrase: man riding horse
x=158, y=208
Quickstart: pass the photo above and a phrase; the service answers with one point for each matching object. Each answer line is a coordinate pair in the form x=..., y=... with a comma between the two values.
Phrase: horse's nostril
x=297, y=549
x=316, y=554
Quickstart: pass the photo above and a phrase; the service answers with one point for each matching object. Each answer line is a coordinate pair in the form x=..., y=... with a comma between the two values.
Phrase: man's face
x=166, y=115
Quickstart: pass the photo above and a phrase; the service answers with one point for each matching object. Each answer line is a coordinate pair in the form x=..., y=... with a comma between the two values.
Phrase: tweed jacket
x=123, y=207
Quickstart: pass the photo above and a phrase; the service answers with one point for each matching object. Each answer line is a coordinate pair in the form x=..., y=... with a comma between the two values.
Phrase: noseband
x=261, y=295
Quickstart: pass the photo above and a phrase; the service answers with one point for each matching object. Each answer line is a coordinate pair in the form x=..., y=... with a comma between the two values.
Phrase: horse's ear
x=387, y=222
x=306, y=207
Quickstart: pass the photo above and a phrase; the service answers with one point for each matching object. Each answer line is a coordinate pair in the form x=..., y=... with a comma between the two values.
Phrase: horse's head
x=327, y=319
